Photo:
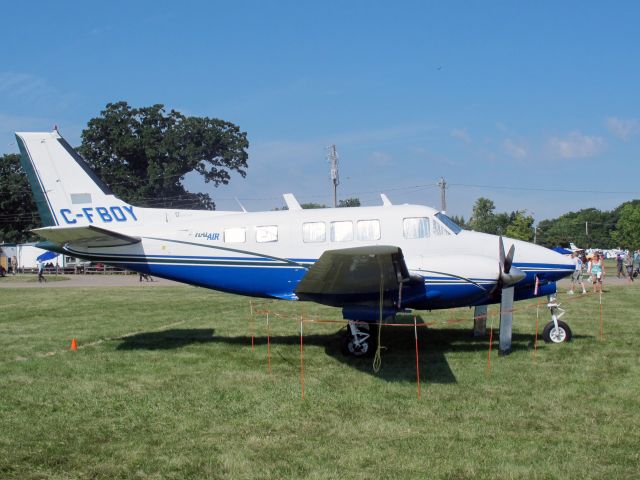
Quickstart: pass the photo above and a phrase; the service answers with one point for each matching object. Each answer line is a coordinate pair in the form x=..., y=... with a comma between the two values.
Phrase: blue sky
x=533, y=96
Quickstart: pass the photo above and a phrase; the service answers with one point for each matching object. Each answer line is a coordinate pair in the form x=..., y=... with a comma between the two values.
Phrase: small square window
x=417, y=227
x=268, y=233
x=341, y=231
x=368, y=230
x=314, y=232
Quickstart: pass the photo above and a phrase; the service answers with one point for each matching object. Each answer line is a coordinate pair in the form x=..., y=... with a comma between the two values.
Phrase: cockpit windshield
x=451, y=225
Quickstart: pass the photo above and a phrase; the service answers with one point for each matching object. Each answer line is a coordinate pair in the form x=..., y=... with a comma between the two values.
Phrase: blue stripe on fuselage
x=276, y=279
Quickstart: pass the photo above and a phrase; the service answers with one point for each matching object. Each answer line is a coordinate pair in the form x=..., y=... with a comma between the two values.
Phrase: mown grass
x=166, y=385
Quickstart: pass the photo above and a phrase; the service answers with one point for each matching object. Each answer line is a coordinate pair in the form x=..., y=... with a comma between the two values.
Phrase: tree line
x=587, y=228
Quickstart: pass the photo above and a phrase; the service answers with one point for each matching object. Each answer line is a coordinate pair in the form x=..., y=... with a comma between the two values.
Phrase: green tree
x=627, y=233
x=349, y=202
x=311, y=205
x=520, y=226
x=482, y=217
x=587, y=228
x=18, y=212
x=144, y=153
x=459, y=220
x=502, y=221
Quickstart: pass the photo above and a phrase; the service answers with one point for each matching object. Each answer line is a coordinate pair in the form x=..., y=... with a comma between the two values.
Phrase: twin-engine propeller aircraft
x=373, y=262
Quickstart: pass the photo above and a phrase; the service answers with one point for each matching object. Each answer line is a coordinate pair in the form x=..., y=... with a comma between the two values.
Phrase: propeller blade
x=509, y=259
x=501, y=254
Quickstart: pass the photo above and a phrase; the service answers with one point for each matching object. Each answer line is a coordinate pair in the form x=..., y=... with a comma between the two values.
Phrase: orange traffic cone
x=74, y=344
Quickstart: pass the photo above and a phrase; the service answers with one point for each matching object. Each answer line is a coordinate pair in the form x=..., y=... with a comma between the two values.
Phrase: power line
x=545, y=189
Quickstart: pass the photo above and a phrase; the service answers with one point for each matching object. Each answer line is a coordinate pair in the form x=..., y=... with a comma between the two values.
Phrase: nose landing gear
x=556, y=331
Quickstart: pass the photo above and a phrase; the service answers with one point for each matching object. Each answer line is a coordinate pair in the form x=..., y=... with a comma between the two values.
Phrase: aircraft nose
x=559, y=265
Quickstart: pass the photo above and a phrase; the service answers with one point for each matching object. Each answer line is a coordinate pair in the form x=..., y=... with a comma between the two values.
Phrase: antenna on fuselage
x=241, y=206
x=292, y=203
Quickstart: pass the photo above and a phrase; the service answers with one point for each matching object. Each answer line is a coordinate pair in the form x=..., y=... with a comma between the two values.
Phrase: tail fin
x=66, y=190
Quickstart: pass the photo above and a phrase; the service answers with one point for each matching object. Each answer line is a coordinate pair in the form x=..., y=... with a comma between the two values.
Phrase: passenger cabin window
x=417, y=227
x=314, y=232
x=235, y=235
x=368, y=230
x=341, y=231
x=267, y=233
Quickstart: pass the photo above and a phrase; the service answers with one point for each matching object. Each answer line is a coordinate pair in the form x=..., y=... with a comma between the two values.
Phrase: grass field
x=165, y=384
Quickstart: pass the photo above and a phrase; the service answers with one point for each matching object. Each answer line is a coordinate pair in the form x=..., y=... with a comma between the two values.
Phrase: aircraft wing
x=353, y=273
x=86, y=236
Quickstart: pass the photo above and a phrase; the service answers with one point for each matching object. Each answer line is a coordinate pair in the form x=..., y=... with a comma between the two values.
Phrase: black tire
x=564, y=334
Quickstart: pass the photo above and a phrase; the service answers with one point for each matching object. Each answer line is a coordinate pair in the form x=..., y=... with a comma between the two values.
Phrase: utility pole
x=443, y=196
x=332, y=156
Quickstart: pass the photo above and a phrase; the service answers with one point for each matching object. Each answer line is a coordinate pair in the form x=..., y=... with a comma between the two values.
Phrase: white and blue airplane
x=373, y=262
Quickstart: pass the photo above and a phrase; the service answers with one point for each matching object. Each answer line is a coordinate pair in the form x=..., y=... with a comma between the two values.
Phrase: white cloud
x=461, y=134
x=623, y=128
x=513, y=149
x=576, y=145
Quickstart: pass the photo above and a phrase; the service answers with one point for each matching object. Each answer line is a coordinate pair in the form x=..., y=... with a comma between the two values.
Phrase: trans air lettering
x=122, y=213
x=208, y=235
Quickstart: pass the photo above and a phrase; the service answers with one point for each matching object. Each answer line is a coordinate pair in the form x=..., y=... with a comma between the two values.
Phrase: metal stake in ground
x=301, y=359
x=415, y=333
x=268, y=345
x=601, y=319
x=251, y=329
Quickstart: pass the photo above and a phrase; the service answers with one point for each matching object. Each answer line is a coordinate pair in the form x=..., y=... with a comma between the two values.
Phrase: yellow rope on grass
x=377, y=359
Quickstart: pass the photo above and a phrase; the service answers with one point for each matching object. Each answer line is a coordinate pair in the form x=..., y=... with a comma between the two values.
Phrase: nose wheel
x=556, y=334
x=556, y=331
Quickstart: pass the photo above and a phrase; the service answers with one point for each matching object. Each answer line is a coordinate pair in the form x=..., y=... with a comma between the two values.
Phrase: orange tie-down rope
x=449, y=321
x=415, y=325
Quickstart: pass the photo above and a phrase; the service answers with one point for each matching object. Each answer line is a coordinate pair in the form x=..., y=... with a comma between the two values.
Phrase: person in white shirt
x=576, y=276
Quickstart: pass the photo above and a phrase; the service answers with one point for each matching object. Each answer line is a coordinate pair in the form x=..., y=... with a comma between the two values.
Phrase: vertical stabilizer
x=66, y=190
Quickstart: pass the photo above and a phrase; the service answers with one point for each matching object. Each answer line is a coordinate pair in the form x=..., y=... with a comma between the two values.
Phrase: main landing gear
x=359, y=339
x=556, y=331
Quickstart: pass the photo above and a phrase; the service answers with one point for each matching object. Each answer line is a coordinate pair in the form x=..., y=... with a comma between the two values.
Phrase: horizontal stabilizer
x=87, y=236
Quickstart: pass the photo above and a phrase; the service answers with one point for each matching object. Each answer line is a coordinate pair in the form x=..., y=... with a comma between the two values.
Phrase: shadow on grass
x=398, y=354
x=167, y=339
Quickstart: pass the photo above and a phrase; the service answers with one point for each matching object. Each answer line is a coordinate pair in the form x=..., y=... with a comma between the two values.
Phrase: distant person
x=619, y=261
x=636, y=262
x=596, y=270
x=628, y=263
x=576, y=276
x=146, y=276
x=14, y=265
x=3, y=271
x=41, y=277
